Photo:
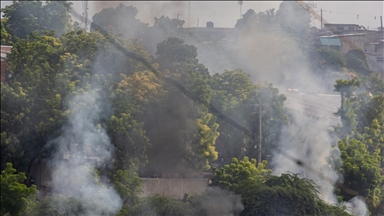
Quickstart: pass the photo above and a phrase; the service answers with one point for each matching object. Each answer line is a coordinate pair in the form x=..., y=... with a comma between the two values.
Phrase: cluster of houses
x=345, y=37
x=341, y=37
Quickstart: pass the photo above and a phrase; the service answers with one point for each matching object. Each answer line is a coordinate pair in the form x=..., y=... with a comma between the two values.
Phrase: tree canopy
x=24, y=17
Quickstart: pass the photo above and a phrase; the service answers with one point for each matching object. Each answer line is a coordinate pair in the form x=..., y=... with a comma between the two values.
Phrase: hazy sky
x=225, y=13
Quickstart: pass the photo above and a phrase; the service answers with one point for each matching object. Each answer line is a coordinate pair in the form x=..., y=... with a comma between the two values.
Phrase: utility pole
x=321, y=20
x=85, y=14
x=241, y=4
x=189, y=14
x=197, y=28
x=260, y=130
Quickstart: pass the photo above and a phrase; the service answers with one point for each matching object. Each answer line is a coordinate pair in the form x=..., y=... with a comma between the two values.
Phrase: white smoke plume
x=357, y=207
x=307, y=139
x=82, y=147
x=217, y=201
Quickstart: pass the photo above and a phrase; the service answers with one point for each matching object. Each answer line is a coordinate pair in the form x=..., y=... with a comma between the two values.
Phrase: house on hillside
x=341, y=28
x=353, y=36
x=4, y=51
x=330, y=42
x=210, y=33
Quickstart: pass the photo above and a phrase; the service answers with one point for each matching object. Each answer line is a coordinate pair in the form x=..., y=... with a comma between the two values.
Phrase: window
x=340, y=28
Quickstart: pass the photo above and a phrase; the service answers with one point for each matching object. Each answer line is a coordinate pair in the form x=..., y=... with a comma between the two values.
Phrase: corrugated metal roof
x=330, y=41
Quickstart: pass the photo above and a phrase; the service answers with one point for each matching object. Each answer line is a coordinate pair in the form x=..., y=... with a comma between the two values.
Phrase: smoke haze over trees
x=103, y=120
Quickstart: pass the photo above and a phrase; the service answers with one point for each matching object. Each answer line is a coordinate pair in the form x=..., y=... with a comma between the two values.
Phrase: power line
x=336, y=12
x=213, y=109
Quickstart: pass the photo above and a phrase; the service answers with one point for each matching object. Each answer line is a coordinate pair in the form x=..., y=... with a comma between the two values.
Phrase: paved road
x=318, y=105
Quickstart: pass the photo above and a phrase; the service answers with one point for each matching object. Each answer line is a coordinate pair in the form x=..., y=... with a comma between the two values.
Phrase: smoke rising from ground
x=82, y=147
x=357, y=206
x=306, y=138
x=217, y=201
x=267, y=56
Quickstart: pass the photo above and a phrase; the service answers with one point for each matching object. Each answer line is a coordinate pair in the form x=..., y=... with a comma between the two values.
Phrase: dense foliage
x=15, y=196
x=287, y=194
x=58, y=71
x=24, y=17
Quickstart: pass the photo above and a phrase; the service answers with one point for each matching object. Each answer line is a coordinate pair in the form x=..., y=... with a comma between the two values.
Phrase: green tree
x=16, y=197
x=357, y=61
x=174, y=50
x=122, y=21
x=232, y=175
x=373, y=137
x=167, y=25
x=346, y=112
x=182, y=132
x=251, y=19
x=287, y=194
x=373, y=83
x=5, y=36
x=323, y=59
x=24, y=17
x=30, y=110
x=234, y=93
x=294, y=18
x=246, y=18
x=46, y=72
x=162, y=206
x=361, y=171
x=128, y=184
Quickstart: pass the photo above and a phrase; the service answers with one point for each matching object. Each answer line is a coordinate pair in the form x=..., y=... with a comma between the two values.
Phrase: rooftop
x=341, y=24
x=345, y=35
x=330, y=41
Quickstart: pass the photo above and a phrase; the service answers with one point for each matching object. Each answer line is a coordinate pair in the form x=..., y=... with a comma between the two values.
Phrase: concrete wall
x=339, y=27
x=173, y=188
x=349, y=42
x=4, y=51
x=210, y=33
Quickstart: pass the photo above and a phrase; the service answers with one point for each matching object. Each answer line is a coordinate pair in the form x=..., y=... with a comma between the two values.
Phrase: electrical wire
x=214, y=110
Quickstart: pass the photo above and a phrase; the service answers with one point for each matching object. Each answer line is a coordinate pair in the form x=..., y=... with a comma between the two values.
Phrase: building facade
x=4, y=51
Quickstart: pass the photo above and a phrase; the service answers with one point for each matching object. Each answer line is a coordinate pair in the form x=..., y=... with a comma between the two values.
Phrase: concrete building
x=351, y=41
x=209, y=33
x=330, y=42
x=4, y=51
x=341, y=28
x=353, y=36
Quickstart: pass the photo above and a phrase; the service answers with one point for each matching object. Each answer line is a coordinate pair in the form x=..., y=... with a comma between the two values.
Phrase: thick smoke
x=82, y=147
x=357, y=206
x=306, y=138
x=275, y=57
x=217, y=201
